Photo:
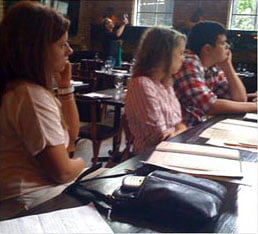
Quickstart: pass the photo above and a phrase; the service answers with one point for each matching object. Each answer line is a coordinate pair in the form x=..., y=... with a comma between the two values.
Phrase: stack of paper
x=197, y=159
x=233, y=133
x=83, y=219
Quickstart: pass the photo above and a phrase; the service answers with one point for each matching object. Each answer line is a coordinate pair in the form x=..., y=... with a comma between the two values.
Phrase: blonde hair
x=155, y=52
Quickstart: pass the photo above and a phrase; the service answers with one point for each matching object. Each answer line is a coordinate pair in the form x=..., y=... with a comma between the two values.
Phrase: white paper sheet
x=196, y=164
x=251, y=116
x=197, y=150
x=97, y=95
x=233, y=131
x=83, y=219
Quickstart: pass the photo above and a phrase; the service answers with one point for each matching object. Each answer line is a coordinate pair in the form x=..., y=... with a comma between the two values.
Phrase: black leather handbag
x=165, y=195
x=162, y=196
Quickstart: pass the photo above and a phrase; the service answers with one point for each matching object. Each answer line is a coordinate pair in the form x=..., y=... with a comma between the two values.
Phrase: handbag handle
x=88, y=171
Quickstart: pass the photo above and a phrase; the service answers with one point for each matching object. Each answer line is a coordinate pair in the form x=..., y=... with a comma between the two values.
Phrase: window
x=154, y=12
x=68, y=8
x=243, y=15
x=60, y=5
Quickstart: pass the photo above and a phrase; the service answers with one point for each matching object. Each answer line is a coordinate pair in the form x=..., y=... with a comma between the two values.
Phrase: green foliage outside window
x=244, y=15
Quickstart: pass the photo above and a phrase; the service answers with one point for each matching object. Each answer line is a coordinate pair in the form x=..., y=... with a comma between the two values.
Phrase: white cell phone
x=133, y=182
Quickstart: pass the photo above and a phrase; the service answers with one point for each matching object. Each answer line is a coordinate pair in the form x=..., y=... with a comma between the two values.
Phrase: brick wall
x=212, y=10
x=1, y=9
x=93, y=11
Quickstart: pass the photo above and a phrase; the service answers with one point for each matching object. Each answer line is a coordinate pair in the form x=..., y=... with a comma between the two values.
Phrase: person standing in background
x=207, y=83
x=151, y=106
x=110, y=38
x=35, y=126
x=197, y=17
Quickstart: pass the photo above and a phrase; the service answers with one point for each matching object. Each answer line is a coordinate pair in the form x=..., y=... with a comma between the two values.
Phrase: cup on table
x=119, y=82
x=108, y=66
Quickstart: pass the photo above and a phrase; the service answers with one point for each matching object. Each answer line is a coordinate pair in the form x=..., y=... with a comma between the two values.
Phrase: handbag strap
x=96, y=167
x=102, y=200
x=88, y=171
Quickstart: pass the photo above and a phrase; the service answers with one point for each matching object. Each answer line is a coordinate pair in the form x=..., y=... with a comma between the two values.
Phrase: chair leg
x=104, y=111
x=96, y=147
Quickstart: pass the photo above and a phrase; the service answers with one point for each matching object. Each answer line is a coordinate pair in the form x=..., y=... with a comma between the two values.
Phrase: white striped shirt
x=151, y=108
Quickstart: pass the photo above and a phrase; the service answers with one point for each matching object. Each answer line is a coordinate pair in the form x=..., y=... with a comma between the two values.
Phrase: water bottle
x=119, y=56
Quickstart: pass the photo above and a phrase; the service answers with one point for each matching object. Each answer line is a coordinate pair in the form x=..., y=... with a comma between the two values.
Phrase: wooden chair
x=90, y=111
x=127, y=151
x=88, y=66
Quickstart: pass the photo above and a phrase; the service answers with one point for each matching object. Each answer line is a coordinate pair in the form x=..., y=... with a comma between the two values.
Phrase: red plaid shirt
x=197, y=88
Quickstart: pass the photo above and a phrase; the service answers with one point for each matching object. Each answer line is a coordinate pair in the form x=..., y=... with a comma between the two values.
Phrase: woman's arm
x=69, y=108
x=57, y=164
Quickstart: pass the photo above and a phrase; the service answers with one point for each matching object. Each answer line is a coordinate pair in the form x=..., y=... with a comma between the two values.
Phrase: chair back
x=90, y=65
x=89, y=109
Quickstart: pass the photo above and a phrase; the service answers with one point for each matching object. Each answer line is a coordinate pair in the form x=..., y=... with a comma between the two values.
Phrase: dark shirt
x=109, y=44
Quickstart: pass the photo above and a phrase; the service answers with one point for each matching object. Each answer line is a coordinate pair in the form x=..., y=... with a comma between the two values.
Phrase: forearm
x=120, y=30
x=224, y=106
x=71, y=116
x=77, y=165
x=237, y=89
x=57, y=164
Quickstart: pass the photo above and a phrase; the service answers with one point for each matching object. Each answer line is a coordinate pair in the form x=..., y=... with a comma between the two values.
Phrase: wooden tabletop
x=239, y=211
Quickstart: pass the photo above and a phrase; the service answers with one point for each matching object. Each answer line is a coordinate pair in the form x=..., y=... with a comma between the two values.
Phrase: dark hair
x=195, y=18
x=204, y=33
x=26, y=32
x=155, y=51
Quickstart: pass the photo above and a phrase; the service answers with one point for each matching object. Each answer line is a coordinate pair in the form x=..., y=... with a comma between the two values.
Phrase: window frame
x=136, y=14
x=232, y=14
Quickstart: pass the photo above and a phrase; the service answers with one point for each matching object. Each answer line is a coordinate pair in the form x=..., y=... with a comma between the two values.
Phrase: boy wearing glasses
x=207, y=83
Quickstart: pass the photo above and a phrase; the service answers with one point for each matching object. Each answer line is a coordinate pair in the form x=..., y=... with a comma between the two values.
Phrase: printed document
x=83, y=219
x=231, y=131
x=197, y=159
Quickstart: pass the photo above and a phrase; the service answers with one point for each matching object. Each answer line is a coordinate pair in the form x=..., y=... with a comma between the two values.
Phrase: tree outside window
x=244, y=15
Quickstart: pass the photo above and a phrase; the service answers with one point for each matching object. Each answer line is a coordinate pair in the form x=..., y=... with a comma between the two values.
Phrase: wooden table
x=117, y=100
x=239, y=212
